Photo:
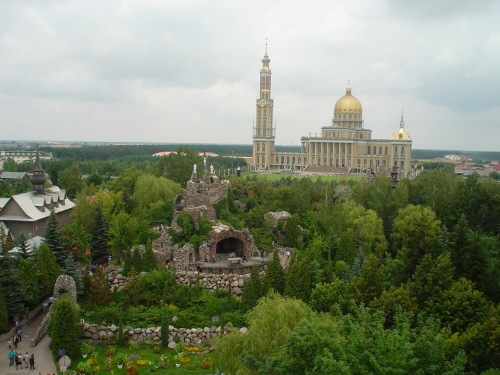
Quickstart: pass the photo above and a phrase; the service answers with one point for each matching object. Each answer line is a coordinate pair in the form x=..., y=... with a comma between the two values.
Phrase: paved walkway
x=44, y=363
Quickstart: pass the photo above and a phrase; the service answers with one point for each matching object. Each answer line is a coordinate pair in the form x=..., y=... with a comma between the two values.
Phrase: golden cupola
x=348, y=104
x=401, y=134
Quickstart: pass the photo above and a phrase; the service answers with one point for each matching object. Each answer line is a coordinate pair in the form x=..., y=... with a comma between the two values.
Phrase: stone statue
x=194, y=167
x=211, y=168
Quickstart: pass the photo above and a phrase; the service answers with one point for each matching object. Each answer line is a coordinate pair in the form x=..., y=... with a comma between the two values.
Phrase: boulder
x=172, y=345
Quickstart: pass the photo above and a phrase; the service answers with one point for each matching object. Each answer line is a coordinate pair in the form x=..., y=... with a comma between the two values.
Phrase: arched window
x=263, y=147
x=299, y=160
x=293, y=160
x=282, y=160
x=380, y=150
x=350, y=116
x=288, y=159
x=359, y=162
x=374, y=150
x=361, y=135
x=371, y=163
x=305, y=160
x=369, y=150
x=258, y=147
x=277, y=159
x=386, y=150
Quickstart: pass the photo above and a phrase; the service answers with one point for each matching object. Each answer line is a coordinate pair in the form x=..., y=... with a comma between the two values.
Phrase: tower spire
x=402, y=122
x=265, y=54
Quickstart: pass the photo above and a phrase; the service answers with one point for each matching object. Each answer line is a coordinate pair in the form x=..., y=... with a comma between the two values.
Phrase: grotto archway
x=231, y=245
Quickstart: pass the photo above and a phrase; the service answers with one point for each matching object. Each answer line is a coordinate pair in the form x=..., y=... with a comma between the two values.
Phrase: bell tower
x=263, y=131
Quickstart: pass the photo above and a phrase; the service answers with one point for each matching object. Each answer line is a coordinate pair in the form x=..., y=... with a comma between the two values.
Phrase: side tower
x=263, y=131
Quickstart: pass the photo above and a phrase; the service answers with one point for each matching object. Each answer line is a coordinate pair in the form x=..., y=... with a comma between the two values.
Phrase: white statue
x=211, y=168
x=194, y=167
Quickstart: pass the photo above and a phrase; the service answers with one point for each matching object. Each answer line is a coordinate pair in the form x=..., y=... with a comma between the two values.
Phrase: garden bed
x=143, y=359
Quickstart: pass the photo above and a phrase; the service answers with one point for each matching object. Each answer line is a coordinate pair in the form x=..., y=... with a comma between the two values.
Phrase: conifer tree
x=100, y=236
x=148, y=259
x=292, y=233
x=136, y=261
x=274, y=277
x=13, y=293
x=22, y=246
x=70, y=268
x=164, y=331
x=63, y=328
x=4, y=315
x=48, y=269
x=127, y=262
x=253, y=289
x=54, y=239
x=298, y=279
x=100, y=294
x=26, y=274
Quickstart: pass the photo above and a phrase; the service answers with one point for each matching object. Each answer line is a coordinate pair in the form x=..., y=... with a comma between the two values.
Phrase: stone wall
x=209, y=281
x=153, y=335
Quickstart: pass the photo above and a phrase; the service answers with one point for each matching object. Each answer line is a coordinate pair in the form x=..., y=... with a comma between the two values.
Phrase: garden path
x=44, y=363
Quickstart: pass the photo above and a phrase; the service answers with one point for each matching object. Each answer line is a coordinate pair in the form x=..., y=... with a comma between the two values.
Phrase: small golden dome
x=347, y=104
x=265, y=69
x=402, y=135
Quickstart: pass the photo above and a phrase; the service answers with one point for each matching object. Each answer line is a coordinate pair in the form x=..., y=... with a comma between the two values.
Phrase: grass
x=279, y=176
x=145, y=352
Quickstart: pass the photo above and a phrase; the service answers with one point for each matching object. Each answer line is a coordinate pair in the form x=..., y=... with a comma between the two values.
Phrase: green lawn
x=279, y=176
x=145, y=352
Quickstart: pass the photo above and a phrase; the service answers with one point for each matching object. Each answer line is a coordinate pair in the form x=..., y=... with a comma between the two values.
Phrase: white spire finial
x=402, y=123
x=266, y=46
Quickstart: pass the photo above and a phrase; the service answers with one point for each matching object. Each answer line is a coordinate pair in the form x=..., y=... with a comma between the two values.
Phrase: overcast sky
x=188, y=71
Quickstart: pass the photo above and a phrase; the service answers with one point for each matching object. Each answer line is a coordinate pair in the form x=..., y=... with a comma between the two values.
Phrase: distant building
x=341, y=146
x=456, y=157
x=28, y=212
x=166, y=153
x=23, y=156
x=4, y=175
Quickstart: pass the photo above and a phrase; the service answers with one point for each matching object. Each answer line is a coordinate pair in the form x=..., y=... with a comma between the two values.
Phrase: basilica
x=344, y=146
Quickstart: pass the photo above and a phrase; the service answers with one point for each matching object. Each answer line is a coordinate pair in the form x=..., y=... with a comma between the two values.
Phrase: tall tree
x=13, y=293
x=149, y=258
x=292, y=233
x=48, y=269
x=22, y=246
x=274, y=277
x=63, y=328
x=122, y=233
x=4, y=314
x=71, y=180
x=100, y=236
x=253, y=289
x=100, y=294
x=178, y=166
x=26, y=274
x=298, y=278
x=416, y=233
x=53, y=238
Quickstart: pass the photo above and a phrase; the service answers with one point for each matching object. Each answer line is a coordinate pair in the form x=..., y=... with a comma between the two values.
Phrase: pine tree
x=26, y=274
x=292, y=233
x=13, y=293
x=164, y=331
x=274, y=277
x=253, y=289
x=100, y=294
x=54, y=240
x=148, y=259
x=298, y=279
x=136, y=261
x=22, y=246
x=70, y=268
x=127, y=262
x=63, y=328
x=4, y=315
x=100, y=236
x=48, y=269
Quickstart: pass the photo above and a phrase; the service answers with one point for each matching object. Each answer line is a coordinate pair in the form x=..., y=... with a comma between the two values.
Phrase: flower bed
x=142, y=359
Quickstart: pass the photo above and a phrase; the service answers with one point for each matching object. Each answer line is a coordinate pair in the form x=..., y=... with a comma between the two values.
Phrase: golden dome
x=402, y=135
x=265, y=69
x=348, y=104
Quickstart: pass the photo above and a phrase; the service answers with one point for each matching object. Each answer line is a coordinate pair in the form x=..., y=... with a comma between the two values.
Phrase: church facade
x=342, y=146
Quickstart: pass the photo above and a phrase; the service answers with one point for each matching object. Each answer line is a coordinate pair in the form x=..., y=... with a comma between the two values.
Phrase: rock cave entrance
x=230, y=245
